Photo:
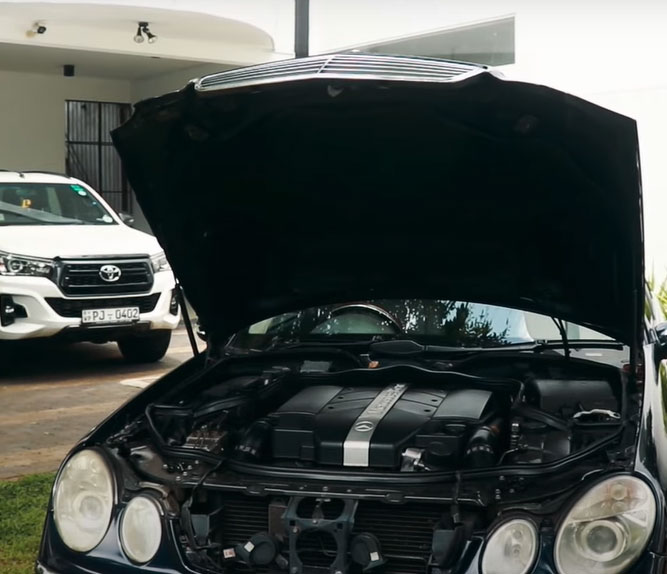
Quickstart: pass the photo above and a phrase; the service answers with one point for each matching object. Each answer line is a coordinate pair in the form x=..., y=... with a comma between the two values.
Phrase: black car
x=429, y=344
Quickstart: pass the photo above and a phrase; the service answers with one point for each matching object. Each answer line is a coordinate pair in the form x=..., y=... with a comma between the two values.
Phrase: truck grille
x=83, y=278
x=73, y=307
x=405, y=531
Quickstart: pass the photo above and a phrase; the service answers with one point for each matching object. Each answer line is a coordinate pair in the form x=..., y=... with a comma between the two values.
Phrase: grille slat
x=73, y=307
x=341, y=65
x=83, y=278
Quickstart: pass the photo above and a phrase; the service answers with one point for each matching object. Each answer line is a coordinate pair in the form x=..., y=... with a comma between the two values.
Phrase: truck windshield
x=27, y=203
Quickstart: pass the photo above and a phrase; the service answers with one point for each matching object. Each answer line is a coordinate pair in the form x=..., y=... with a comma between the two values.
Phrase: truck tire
x=147, y=348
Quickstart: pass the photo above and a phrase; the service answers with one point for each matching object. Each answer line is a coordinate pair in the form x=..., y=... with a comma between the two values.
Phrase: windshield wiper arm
x=563, y=335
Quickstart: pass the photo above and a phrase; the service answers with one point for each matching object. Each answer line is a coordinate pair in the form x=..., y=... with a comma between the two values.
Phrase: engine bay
x=398, y=418
x=302, y=465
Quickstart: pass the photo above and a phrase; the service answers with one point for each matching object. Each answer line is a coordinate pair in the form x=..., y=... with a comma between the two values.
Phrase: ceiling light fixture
x=144, y=29
x=37, y=28
x=138, y=38
x=152, y=38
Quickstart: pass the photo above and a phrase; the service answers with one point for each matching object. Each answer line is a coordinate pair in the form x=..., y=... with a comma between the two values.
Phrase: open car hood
x=341, y=178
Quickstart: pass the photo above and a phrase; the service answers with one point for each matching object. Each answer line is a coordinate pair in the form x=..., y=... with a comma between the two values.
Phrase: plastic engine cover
x=370, y=427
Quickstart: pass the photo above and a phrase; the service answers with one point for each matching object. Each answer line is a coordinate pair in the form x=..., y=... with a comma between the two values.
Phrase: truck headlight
x=511, y=549
x=11, y=264
x=83, y=498
x=159, y=262
x=141, y=529
x=607, y=528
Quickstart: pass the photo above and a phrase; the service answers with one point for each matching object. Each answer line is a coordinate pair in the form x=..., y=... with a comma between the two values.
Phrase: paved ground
x=51, y=396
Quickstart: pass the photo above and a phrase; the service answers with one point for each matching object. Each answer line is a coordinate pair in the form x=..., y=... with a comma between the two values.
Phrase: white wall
x=32, y=115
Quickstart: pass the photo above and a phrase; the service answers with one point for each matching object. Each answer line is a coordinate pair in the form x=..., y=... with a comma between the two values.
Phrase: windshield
x=441, y=322
x=50, y=204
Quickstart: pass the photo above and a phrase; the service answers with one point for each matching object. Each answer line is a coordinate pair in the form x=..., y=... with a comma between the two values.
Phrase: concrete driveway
x=51, y=396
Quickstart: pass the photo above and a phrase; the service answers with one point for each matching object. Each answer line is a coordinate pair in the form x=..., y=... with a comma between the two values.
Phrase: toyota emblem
x=110, y=273
x=364, y=426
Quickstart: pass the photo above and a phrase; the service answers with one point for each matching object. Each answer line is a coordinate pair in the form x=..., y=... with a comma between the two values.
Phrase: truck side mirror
x=126, y=218
x=661, y=331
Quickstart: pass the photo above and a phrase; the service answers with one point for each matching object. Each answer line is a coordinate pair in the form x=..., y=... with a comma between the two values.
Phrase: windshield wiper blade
x=579, y=344
x=407, y=347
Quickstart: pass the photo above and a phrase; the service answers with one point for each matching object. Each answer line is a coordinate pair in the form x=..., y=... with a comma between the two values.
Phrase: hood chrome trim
x=341, y=66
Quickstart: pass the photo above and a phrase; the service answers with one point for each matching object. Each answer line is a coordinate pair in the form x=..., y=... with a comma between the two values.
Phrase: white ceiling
x=42, y=60
x=175, y=22
x=98, y=39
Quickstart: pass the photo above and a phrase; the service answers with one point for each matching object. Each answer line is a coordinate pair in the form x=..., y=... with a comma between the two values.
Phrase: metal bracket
x=339, y=528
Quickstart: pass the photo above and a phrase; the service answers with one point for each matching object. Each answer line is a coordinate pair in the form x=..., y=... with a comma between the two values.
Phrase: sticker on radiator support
x=357, y=445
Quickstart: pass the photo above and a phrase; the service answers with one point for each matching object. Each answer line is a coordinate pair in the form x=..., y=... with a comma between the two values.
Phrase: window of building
x=90, y=155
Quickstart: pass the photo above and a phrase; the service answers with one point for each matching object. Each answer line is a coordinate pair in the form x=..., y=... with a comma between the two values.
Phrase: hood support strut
x=186, y=319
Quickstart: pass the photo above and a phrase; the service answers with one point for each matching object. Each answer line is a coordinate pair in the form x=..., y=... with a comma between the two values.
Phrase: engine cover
x=370, y=426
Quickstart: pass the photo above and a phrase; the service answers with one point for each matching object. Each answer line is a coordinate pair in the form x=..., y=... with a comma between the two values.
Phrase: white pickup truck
x=71, y=268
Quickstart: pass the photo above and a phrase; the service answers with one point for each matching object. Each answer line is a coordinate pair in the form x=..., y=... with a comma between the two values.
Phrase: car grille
x=405, y=531
x=361, y=66
x=83, y=278
x=73, y=307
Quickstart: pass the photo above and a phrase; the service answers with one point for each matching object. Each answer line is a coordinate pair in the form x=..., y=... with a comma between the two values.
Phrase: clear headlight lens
x=607, y=529
x=141, y=529
x=512, y=548
x=160, y=263
x=11, y=264
x=83, y=500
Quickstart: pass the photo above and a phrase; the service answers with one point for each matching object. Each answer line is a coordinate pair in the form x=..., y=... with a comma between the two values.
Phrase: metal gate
x=90, y=155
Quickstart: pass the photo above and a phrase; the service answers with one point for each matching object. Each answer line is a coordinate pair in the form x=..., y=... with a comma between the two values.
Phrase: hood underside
x=279, y=192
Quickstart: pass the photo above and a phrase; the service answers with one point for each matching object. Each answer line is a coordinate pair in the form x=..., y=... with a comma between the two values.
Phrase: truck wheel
x=145, y=348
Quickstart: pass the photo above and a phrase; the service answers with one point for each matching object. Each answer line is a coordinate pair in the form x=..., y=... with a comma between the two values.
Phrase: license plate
x=117, y=315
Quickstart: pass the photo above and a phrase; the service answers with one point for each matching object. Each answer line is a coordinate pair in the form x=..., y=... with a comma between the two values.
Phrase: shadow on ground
x=39, y=361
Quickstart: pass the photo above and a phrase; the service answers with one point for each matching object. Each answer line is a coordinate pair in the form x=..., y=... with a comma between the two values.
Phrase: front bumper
x=649, y=564
x=108, y=557
x=42, y=320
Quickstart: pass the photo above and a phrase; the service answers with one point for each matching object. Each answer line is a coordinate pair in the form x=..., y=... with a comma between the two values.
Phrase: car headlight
x=607, y=529
x=83, y=498
x=512, y=548
x=159, y=262
x=11, y=264
x=141, y=529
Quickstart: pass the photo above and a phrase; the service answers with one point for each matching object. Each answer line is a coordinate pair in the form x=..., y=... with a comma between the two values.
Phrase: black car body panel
x=347, y=178
x=324, y=189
